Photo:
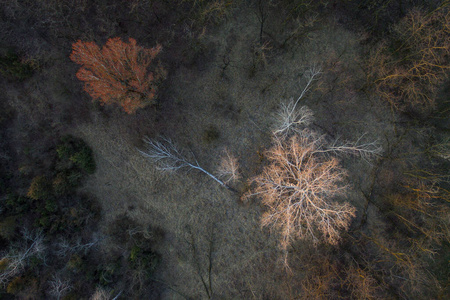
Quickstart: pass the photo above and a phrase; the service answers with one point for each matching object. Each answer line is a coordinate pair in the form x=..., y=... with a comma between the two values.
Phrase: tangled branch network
x=289, y=118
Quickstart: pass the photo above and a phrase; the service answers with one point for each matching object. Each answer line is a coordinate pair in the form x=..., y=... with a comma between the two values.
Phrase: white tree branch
x=169, y=158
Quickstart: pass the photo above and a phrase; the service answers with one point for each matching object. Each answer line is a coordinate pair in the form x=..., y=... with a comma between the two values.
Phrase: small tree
x=59, y=287
x=298, y=186
x=119, y=72
x=289, y=119
x=228, y=170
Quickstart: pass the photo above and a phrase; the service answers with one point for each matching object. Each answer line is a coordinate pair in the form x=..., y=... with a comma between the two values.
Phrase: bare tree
x=289, y=119
x=15, y=261
x=58, y=287
x=228, y=168
x=262, y=14
x=171, y=159
x=202, y=256
x=298, y=186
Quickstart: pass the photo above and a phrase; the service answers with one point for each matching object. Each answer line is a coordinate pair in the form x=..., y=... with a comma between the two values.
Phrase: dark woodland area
x=224, y=149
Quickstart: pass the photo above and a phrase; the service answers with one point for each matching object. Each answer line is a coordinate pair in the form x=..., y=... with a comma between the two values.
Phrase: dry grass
x=125, y=182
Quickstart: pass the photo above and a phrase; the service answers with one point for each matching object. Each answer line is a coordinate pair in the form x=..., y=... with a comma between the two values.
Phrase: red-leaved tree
x=119, y=73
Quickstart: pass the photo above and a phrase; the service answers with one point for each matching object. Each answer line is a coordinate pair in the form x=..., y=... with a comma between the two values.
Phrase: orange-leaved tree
x=119, y=73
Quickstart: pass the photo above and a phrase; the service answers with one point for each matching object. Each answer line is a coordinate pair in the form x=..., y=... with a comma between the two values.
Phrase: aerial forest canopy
x=224, y=149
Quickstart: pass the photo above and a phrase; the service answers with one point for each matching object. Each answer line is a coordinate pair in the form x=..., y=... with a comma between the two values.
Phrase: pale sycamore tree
x=299, y=187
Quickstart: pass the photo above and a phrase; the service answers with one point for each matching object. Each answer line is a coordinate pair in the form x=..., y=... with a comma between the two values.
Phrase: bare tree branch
x=58, y=287
x=64, y=247
x=14, y=262
x=366, y=151
x=441, y=149
x=169, y=158
x=288, y=118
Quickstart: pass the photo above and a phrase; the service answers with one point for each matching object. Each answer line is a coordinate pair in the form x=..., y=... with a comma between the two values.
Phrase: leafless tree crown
x=298, y=186
x=228, y=170
x=289, y=119
x=59, y=287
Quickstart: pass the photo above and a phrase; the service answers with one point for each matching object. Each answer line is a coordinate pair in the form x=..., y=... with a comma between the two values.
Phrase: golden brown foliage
x=400, y=254
x=360, y=283
x=422, y=209
x=407, y=70
x=39, y=189
x=320, y=278
x=119, y=72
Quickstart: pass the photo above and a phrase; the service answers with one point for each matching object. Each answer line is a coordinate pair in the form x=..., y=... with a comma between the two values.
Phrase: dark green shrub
x=3, y=264
x=71, y=296
x=35, y=262
x=8, y=227
x=147, y=259
x=135, y=254
x=74, y=178
x=52, y=222
x=108, y=273
x=84, y=160
x=3, y=185
x=17, y=204
x=13, y=67
x=51, y=206
x=84, y=211
x=44, y=221
x=23, y=287
x=62, y=184
x=75, y=153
